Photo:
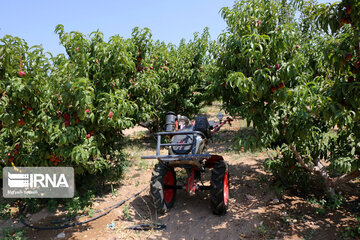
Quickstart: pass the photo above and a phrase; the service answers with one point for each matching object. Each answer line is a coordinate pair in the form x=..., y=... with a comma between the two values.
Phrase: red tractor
x=188, y=142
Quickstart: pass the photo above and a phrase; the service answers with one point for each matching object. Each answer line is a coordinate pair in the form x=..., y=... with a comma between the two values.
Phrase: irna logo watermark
x=38, y=182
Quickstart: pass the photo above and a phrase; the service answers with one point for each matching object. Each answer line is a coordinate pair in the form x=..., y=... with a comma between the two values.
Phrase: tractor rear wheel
x=219, y=188
x=163, y=187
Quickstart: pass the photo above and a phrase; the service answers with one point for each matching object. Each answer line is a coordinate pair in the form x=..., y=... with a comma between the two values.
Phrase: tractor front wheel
x=219, y=189
x=163, y=187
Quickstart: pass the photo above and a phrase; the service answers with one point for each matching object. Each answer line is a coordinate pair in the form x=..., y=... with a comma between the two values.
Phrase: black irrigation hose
x=78, y=223
x=147, y=227
x=75, y=217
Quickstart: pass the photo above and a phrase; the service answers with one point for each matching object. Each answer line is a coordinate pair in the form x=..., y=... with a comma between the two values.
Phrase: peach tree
x=295, y=84
x=50, y=113
x=179, y=77
x=70, y=109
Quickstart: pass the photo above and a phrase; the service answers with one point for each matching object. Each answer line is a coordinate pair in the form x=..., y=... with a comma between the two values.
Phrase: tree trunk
x=321, y=170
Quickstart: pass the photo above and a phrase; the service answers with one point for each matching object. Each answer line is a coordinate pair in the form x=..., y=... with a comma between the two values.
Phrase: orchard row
x=295, y=79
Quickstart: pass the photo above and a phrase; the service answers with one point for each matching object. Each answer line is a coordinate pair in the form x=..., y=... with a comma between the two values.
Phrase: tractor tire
x=219, y=188
x=164, y=198
x=202, y=125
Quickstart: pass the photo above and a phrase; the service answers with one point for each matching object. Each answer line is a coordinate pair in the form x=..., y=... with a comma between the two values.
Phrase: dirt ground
x=256, y=210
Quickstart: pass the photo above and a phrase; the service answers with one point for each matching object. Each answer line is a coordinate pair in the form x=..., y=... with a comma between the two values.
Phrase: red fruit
x=145, y=68
x=11, y=159
x=278, y=29
x=29, y=108
x=87, y=111
x=348, y=10
x=77, y=49
x=258, y=23
x=351, y=79
x=357, y=64
x=59, y=102
x=67, y=123
x=75, y=114
x=348, y=57
x=21, y=122
x=9, y=154
x=22, y=74
x=201, y=68
x=34, y=128
x=110, y=114
x=223, y=84
x=282, y=85
x=278, y=66
x=113, y=84
x=77, y=121
x=139, y=52
x=271, y=66
x=156, y=57
x=297, y=46
x=92, y=133
x=18, y=146
x=139, y=59
x=174, y=102
x=292, y=167
x=88, y=136
x=16, y=151
x=342, y=22
x=151, y=67
x=66, y=116
x=273, y=89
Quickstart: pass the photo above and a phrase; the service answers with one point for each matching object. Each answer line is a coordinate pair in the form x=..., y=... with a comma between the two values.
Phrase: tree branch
x=318, y=169
x=300, y=159
x=345, y=178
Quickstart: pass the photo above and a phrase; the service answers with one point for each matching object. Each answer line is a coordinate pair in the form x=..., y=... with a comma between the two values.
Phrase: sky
x=169, y=20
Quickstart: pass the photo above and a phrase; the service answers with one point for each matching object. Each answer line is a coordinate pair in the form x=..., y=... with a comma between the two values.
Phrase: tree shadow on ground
x=255, y=212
